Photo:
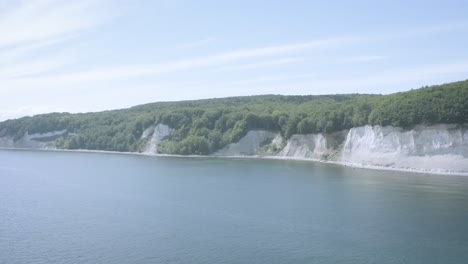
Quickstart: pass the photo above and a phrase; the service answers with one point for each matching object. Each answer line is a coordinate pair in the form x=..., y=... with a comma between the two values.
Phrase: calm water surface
x=60, y=207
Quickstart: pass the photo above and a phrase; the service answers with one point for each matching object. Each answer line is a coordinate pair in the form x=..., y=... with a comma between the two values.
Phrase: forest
x=204, y=126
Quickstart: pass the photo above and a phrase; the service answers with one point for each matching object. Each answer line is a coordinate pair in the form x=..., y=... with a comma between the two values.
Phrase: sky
x=93, y=55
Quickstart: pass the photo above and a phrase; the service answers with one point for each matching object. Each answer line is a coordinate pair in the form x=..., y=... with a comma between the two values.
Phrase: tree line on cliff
x=204, y=126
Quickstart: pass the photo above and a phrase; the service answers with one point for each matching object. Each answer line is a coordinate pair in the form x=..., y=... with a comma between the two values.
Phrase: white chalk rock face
x=312, y=146
x=157, y=132
x=148, y=132
x=249, y=145
x=32, y=141
x=439, y=148
x=6, y=142
x=277, y=141
x=45, y=135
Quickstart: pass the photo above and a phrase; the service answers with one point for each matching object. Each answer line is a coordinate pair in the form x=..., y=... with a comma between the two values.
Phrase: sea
x=76, y=207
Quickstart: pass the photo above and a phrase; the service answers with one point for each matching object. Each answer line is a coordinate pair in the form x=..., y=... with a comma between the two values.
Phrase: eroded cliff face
x=157, y=133
x=439, y=148
x=313, y=146
x=250, y=144
x=33, y=141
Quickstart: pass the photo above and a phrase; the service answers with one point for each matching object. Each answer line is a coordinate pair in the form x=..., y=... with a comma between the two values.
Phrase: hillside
x=205, y=126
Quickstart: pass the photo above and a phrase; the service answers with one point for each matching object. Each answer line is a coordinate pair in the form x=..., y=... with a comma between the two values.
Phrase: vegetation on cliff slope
x=204, y=126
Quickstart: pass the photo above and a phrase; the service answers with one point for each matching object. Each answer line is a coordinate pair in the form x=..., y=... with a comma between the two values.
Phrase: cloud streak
x=28, y=28
x=363, y=58
x=261, y=64
x=138, y=70
x=10, y=55
x=39, y=20
x=394, y=79
x=198, y=43
x=31, y=67
x=32, y=71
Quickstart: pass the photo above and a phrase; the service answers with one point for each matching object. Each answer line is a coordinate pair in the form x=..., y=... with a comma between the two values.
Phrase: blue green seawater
x=69, y=207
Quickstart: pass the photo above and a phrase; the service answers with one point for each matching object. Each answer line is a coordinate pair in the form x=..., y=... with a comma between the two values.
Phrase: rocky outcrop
x=32, y=141
x=441, y=148
x=250, y=144
x=313, y=146
x=157, y=133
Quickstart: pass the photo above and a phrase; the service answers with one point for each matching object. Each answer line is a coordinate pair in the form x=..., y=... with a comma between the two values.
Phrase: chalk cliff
x=249, y=145
x=156, y=133
x=441, y=148
x=33, y=141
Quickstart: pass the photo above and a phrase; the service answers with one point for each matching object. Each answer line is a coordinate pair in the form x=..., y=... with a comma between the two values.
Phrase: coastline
x=344, y=164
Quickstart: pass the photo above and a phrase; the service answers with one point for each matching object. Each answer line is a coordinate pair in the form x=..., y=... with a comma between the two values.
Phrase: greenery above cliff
x=204, y=126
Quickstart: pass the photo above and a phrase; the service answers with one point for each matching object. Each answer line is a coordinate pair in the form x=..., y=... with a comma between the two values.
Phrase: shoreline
x=343, y=164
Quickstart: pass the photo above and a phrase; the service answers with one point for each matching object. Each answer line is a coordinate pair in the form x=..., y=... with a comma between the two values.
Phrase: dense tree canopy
x=204, y=126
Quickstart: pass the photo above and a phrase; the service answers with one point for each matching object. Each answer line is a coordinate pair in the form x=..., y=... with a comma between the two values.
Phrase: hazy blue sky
x=95, y=55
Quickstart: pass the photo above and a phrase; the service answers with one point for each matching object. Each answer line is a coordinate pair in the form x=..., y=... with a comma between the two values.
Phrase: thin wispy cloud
x=273, y=79
x=47, y=54
x=31, y=67
x=393, y=78
x=218, y=60
x=418, y=73
x=314, y=84
x=261, y=64
x=38, y=20
x=137, y=70
x=363, y=58
x=9, y=55
x=429, y=30
x=29, y=27
x=198, y=43
x=285, y=49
